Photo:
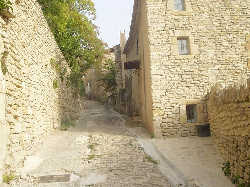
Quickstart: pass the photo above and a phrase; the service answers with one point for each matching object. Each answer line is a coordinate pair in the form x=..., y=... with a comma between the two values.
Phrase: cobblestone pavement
x=99, y=151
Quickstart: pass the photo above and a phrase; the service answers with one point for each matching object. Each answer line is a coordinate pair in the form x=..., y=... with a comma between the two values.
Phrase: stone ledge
x=179, y=13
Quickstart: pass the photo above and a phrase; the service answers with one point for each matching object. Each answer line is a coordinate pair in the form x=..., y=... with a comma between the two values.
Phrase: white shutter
x=179, y=4
x=179, y=46
x=176, y=4
x=185, y=47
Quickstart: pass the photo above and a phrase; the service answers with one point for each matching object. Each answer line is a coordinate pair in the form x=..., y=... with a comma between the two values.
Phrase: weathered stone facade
x=169, y=82
x=137, y=80
x=30, y=106
x=229, y=114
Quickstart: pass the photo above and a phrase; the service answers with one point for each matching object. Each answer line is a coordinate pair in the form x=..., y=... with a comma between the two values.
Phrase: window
x=191, y=111
x=183, y=45
x=137, y=46
x=179, y=4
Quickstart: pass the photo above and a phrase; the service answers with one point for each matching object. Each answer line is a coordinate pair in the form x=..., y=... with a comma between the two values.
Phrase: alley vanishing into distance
x=99, y=151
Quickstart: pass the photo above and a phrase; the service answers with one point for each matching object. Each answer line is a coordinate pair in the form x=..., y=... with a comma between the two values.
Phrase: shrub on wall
x=3, y=63
x=108, y=80
x=5, y=5
x=71, y=22
x=55, y=84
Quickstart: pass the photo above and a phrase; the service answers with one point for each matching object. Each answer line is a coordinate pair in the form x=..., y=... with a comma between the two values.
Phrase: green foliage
x=71, y=21
x=66, y=124
x=62, y=73
x=5, y=5
x=4, y=67
x=7, y=178
x=60, y=69
x=92, y=146
x=3, y=63
x=91, y=157
x=76, y=82
x=82, y=89
x=226, y=168
x=243, y=185
x=238, y=181
x=55, y=84
x=109, y=79
x=235, y=179
x=150, y=159
x=53, y=62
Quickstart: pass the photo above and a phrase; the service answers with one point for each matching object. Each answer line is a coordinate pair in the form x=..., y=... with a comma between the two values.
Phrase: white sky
x=113, y=16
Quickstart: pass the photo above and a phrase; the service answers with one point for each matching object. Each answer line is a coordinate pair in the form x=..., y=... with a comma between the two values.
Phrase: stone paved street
x=197, y=158
x=99, y=151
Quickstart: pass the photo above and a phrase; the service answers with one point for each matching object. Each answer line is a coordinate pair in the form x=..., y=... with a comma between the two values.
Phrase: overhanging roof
x=135, y=64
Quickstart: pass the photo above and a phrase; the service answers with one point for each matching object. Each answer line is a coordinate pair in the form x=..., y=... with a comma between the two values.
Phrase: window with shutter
x=183, y=45
x=179, y=5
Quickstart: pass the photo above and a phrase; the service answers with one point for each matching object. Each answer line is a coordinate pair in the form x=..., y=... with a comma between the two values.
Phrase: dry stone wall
x=229, y=116
x=3, y=128
x=33, y=107
x=217, y=32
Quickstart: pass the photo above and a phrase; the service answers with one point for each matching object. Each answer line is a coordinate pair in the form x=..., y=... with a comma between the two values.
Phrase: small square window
x=183, y=46
x=191, y=111
x=179, y=4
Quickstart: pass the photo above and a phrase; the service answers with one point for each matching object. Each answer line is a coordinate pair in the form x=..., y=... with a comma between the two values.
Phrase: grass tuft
x=7, y=178
x=150, y=159
x=66, y=124
x=91, y=157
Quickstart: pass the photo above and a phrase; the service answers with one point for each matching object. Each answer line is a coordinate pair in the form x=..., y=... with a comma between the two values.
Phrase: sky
x=113, y=16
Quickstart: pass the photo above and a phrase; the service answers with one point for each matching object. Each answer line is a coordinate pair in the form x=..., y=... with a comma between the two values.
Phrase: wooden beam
x=132, y=64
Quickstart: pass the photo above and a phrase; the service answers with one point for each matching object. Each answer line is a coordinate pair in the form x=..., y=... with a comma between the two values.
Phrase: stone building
x=176, y=51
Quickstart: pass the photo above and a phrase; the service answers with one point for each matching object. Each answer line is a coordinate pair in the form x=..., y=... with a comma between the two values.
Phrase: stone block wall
x=217, y=32
x=33, y=106
x=3, y=130
x=229, y=117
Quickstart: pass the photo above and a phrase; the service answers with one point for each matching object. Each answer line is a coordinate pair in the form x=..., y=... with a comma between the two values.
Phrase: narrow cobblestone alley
x=99, y=151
